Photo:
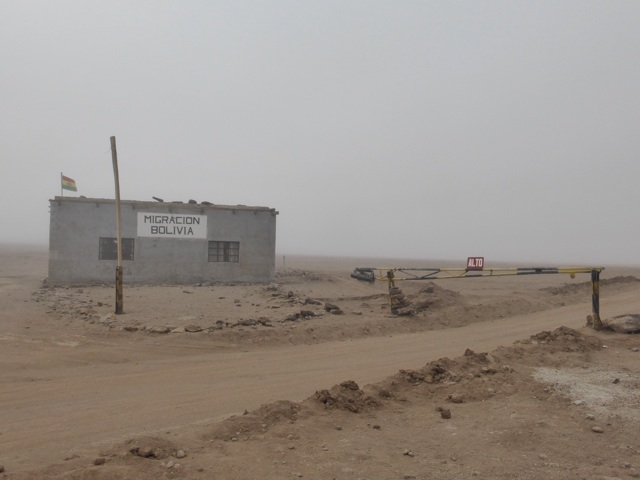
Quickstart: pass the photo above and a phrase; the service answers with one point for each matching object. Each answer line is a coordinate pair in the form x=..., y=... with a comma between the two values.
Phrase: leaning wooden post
x=595, y=299
x=119, y=295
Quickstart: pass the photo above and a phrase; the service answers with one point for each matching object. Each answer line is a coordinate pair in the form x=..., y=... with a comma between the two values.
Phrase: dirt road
x=71, y=388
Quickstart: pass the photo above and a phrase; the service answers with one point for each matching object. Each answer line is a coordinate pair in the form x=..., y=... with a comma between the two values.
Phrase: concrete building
x=162, y=243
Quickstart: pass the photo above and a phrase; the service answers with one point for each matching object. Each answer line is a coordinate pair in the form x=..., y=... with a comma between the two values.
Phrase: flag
x=69, y=184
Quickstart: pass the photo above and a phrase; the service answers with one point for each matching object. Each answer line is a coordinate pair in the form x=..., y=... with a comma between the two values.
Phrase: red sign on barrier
x=475, y=263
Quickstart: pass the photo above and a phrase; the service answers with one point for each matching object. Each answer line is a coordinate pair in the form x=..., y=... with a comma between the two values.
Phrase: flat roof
x=191, y=204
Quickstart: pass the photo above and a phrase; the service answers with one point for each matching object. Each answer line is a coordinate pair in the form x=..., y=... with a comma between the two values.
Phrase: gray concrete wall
x=77, y=224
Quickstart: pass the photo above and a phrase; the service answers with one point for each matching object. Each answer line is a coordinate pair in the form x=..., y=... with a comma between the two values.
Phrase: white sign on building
x=172, y=225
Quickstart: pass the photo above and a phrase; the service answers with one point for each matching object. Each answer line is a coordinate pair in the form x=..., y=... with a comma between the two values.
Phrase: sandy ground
x=489, y=379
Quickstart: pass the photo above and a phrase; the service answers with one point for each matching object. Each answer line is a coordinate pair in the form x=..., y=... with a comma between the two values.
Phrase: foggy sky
x=416, y=129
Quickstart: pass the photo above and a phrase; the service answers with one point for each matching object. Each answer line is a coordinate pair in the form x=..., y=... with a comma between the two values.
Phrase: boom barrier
x=392, y=275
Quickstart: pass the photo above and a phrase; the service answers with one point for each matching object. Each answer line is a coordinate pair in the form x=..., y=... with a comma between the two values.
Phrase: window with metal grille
x=108, y=249
x=224, y=251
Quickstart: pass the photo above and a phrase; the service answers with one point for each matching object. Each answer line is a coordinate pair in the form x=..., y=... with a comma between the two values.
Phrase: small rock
x=635, y=349
x=616, y=381
x=445, y=413
x=160, y=330
x=408, y=453
x=455, y=397
x=180, y=454
x=376, y=427
x=99, y=461
x=170, y=464
x=591, y=417
x=597, y=429
x=579, y=402
x=629, y=323
x=1, y=468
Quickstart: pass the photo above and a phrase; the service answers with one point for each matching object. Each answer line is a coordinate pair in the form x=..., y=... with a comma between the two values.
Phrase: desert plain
x=494, y=378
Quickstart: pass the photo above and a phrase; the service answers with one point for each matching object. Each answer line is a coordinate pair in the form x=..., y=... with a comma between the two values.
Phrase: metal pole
x=595, y=299
x=119, y=295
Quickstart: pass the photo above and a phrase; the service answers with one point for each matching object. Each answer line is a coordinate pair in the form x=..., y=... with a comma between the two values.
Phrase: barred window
x=224, y=251
x=108, y=249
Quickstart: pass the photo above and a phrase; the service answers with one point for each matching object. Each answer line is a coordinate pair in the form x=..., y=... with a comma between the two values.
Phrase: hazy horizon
x=377, y=129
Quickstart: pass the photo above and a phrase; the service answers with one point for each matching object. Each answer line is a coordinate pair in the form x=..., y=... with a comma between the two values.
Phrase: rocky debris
x=399, y=302
x=99, y=461
x=472, y=358
x=455, y=398
x=301, y=315
x=629, y=323
x=333, y=309
x=311, y=301
x=345, y=396
x=565, y=339
x=61, y=302
x=151, y=447
x=411, y=376
x=597, y=429
x=193, y=328
x=272, y=287
x=430, y=296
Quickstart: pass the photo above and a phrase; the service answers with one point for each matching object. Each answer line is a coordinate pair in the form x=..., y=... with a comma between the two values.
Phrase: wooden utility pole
x=119, y=294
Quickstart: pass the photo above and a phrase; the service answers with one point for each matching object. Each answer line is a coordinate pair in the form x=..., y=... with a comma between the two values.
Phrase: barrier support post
x=595, y=299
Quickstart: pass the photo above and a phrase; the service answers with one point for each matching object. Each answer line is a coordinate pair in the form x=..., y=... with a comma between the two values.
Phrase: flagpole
x=61, y=190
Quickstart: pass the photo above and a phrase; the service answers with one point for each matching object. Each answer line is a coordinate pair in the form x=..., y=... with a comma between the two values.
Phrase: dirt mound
x=571, y=288
x=431, y=296
x=151, y=447
x=566, y=340
x=252, y=424
x=345, y=396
